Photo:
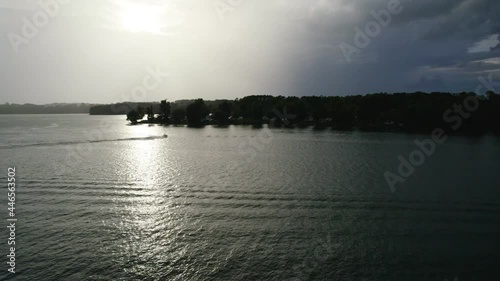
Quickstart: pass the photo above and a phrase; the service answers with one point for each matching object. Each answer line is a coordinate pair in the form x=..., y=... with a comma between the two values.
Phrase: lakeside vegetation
x=55, y=108
x=401, y=112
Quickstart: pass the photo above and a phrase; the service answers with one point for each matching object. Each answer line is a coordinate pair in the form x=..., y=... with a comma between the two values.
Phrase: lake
x=100, y=200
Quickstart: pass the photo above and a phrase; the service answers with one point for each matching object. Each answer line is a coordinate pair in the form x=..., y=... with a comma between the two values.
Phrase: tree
x=196, y=113
x=136, y=114
x=344, y=116
x=150, y=114
x=178, y=115
x=164, y=112
x=221, y=116
x=407, y=112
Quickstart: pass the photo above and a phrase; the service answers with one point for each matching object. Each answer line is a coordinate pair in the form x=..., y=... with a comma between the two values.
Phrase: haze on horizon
x=99, y=51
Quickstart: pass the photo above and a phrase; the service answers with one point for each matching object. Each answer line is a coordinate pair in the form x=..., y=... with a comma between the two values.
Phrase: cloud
x=425, y=83
x=18, y=5
x=485, y=45
x=258, y=47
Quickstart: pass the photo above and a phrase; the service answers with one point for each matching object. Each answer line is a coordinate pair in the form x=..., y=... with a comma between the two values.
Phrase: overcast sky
x=107, y=51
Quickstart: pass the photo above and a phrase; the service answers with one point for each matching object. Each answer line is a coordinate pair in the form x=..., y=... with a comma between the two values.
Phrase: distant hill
x=120, y=108
x=55, y=108
x=88, y=108
x=125, y=107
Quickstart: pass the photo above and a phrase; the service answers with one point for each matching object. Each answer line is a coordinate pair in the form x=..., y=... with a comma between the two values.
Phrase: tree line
x=462, y=113
x=60, y=108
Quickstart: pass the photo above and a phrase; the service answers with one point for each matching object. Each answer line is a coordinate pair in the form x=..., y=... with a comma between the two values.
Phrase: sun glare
x=141, y=18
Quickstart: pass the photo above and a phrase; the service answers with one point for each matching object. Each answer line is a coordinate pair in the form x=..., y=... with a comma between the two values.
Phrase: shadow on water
x=197, y=127
x=320, y=128
x=221, y=126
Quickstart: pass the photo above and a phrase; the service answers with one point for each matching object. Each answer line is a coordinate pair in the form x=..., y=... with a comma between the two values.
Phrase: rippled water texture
x=128, y=203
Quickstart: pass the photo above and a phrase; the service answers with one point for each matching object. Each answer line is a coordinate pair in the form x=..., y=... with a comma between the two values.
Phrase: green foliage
x=178, y=115
x=221, y=116
x=196, y=113
x=135, y=115
x=150, y=114
x=403, y=112
x=56, y=108
x=165, y=108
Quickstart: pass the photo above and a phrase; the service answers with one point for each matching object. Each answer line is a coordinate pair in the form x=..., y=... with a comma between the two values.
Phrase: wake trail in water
x=12, y=146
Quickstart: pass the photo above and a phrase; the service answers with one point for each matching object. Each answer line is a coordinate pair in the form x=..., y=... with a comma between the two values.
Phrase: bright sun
x=141, y=18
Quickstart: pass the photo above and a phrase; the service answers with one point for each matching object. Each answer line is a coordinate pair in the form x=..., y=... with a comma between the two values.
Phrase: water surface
x=99, y=200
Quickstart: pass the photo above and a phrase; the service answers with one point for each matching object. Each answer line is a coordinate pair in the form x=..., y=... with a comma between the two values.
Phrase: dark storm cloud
x=425, y=47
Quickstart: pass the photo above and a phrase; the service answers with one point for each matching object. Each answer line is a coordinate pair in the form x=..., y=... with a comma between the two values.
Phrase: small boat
x=165, y=135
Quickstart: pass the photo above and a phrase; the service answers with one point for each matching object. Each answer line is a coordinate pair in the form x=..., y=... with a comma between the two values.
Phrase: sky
x=106, y=51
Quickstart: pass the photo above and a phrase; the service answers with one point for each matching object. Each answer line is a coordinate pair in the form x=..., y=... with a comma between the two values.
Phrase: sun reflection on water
x=149, y=217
